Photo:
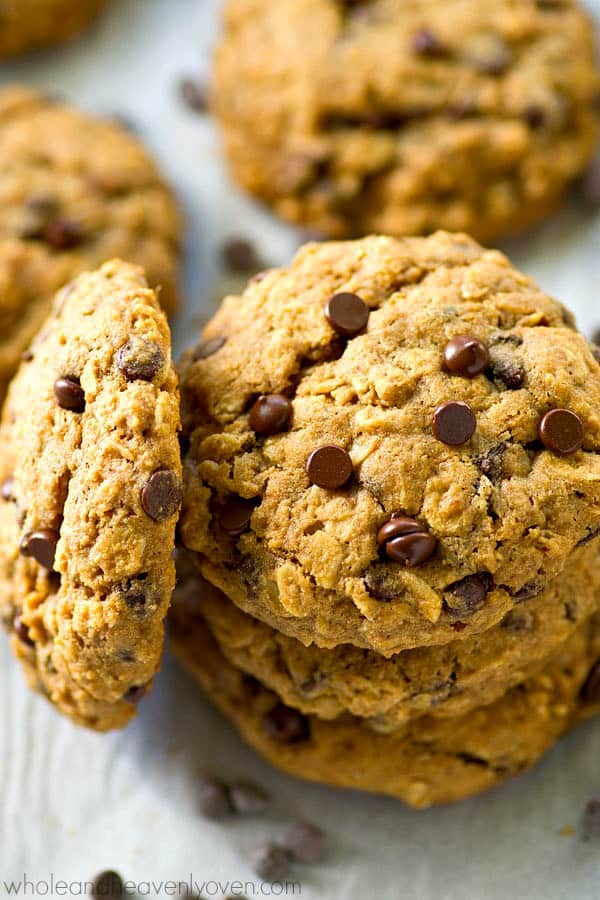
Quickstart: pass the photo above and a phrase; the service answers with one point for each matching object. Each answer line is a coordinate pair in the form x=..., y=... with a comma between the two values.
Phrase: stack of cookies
x=392, y=501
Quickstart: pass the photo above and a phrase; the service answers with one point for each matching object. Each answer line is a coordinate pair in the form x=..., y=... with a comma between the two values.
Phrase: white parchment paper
x=72, y=802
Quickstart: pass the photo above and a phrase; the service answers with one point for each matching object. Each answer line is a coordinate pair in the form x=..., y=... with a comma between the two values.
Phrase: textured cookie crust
x=506, y=512
x=89, y=626
x=74, y=193
x=440, y=681
x=389, y=116
x=430, y=761
x=27, y=24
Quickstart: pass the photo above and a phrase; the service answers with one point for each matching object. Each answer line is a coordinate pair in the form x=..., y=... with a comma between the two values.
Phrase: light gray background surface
x=71, y=802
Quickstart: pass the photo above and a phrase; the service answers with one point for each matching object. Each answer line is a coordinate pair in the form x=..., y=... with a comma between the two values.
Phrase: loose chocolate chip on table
x=6, y=491
x=464, y=597
x=139, y=359
x=69, y=393
x=466, y=355
x=590, y=692
x=561, y=431
x=41, y=546
x=247, y=798
x=63, y=234
x=161, y=495
x=136, y=693
x=234, y=517
x=22, y=631
x=305, y=842
x=193, y=94
x=108, y=885
x=454, y=423
x=347, y=314
x=270, y=862
x=213, y=799
x=240, y=256
x=270, y=414
x=208, y=348
x=329, y=467
x=286, y=725
x=425, y=42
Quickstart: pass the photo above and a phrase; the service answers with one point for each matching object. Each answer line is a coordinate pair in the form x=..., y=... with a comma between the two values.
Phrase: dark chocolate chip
x=270, y=862
x=193, y=94
x=535, y=116
x=139, y=359
x=528, y=591
x=208, y=348
x=561, y=431
x=240, y=256
x=590, y=692
x=136, y=693
x=27, y=355
x=411, y=549
x=380, y=585
x=466, y=355
x=464, y=597
x=305, y=842
x=161, y=495
x=329, y=467
x=41, y=546
x=108, y=886
x=347, y=314
x=454, y=423
x=6, y=491
x=509, y=372
x=248, y=798
x=213, y=799
x=425, y=42
x=235, y=516
x=491, y=464
x=69, y=393
x=63, y=234
x=270, y=414
x=22, y=632
x=285, y=725
x=397, y=525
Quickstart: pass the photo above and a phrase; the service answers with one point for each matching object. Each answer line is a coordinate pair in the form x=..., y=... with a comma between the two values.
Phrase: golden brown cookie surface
x=91, y=488
x=28, y=24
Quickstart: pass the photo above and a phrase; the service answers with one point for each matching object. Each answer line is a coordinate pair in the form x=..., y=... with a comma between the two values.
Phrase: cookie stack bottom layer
x=427, y=760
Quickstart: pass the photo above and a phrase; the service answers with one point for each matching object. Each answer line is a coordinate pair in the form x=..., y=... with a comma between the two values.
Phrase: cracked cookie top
x=437, y=462
x=74, y=192
x=91, y=486
x=399, y=118
x=28, y=24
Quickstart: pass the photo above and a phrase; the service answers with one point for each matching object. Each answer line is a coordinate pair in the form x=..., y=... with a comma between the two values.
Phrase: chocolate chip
x=509, y=372
x=69, y=393
x=590, y=691
x=380, y=585
x=528, y=591
x=286, y=725
x=136, y=693
x=466, y=355
x=464, y=597
x=454, y=423
x=411, y=549
x=22, y=632
x=161, y=495
x=135, y=594
x=561, y=431
x=41, y=546
x=425, y=42
x=491, y=464
x=489, y=54
x=208, y=348
x=590, y=822
x=193, y=94
x=213, y=799
x=235, y=515
x=270, y=862
x=347, y=314
x=329, y=467
x=270, y=414
x=535, y=116
x=139, y=359
x=247, y=798
x=517, y=620
x=304, y=842
x=6, y=491
x=240, y=256
x=63, y=234
x=397, y=525
x=27, y=355
x=108, y=886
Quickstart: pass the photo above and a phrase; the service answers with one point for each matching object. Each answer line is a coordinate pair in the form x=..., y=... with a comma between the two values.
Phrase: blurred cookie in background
x=28, y=24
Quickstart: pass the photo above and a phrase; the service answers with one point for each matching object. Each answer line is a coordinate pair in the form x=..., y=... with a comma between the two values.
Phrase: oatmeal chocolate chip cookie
x=430, y=760
x=450, y=680
x=400, y=118
x=91, y=486
x=27, y=24
x=368, y=515
x=74, y=193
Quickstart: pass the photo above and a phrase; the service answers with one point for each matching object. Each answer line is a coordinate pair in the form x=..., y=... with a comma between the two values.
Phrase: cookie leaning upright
x=75, y=192
x=91, y=476
x=389, y=116
x=392, y=443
